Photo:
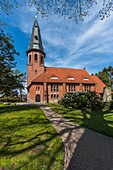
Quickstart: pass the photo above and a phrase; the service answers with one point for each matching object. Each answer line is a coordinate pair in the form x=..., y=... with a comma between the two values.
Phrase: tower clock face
x=35, y=46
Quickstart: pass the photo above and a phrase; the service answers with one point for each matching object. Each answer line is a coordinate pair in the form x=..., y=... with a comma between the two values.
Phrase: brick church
x=49, y=84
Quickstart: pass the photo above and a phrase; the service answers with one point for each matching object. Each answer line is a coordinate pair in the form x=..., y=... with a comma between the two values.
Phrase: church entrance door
x=37, y=98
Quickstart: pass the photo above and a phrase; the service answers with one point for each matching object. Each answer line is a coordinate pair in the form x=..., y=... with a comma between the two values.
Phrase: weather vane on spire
x=36, y=16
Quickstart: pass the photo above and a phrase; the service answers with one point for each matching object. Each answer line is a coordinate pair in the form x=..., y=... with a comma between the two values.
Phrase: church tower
x=35, y=54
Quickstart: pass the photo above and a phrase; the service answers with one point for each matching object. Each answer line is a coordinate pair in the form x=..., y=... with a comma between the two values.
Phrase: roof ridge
x=66, y=68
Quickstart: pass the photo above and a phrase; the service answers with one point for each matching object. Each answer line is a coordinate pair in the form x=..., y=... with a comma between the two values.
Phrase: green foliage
x=106, y=10
x=9, y=99
x=21, y=80
x=99, y=121
x=8, y=78
x=112, y=95
x=106, y=75
x=75, y=10
x=28, y=140
x=81, y=100
x=7, y=5
x=111, y=105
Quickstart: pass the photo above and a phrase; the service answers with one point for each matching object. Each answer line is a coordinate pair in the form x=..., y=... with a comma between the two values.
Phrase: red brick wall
x=77, y=87
x=60, y=92
x=93, y=87
x=34, y=66
x=32, y=92
x=62, y=87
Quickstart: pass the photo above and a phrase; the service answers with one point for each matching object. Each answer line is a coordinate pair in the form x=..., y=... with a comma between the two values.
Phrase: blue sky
x=88, y=44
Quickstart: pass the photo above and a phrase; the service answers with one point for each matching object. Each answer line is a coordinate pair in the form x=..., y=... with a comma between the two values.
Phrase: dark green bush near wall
x=111, y=105
x=112, y=96
x=82, y=101
x=9, y=99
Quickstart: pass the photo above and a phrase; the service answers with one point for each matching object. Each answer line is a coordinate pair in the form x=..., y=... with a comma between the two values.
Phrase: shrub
x=111, y=105
x=82, y=100
x=9, y=99
x=112, y=96
x=108, y=105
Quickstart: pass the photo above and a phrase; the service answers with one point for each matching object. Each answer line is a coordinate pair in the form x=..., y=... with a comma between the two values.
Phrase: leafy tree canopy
x=75, y=10
x=106, y=75
x=21, y=78
x=7, y=6
x=8, y=78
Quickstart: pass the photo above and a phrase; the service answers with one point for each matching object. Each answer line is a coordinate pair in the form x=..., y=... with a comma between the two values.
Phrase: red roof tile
x=100, y=84
x=63, y=74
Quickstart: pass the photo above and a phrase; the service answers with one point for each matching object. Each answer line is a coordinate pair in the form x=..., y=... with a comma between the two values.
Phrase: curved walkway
x=84, y=148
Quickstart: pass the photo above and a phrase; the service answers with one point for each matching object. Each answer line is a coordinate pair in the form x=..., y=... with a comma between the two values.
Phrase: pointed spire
x=36, y=41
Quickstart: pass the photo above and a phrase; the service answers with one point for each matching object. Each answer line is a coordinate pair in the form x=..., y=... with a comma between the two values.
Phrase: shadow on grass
x=40, y=148
x=8, y=109
x=94, y=150
x=99, y=121
x=89, y=149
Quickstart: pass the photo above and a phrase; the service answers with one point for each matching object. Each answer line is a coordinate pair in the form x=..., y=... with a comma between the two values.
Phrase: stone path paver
x=84, y=148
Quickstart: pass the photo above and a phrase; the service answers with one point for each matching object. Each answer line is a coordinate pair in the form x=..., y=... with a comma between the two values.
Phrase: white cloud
x=68, y=44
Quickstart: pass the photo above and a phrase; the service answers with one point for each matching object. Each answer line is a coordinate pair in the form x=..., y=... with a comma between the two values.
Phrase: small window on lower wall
x=51, y=96
x=57, y=95
x=37, y=88
x=36, y=71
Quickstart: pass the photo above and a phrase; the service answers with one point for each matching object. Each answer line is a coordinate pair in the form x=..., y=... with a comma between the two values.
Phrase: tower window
x=36, y=71
x=41, y=60
x=30, y=58
x=36, y=57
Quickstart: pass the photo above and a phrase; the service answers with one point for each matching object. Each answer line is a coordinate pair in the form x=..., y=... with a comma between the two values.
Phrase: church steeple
x=35, y=54
x=36, y=41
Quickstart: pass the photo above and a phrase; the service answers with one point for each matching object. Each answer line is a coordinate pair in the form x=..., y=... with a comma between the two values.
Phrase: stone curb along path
x=84, y=148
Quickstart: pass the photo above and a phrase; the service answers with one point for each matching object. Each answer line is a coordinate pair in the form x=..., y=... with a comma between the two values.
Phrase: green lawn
x=100, y=121
x=28, y=141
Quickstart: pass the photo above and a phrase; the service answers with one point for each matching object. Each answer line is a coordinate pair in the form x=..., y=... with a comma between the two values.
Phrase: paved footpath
x=84, y=148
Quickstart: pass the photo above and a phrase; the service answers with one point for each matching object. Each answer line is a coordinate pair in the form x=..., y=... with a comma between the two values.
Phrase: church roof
x=65, y=75
x=100, y=85
x=36, y=41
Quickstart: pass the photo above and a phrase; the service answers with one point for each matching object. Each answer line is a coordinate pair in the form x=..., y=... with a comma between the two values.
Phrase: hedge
x=82, y=100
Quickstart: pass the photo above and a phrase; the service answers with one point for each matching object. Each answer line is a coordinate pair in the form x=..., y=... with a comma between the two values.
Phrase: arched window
x=41, y=60
x=30, y=58
x=36, y=58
